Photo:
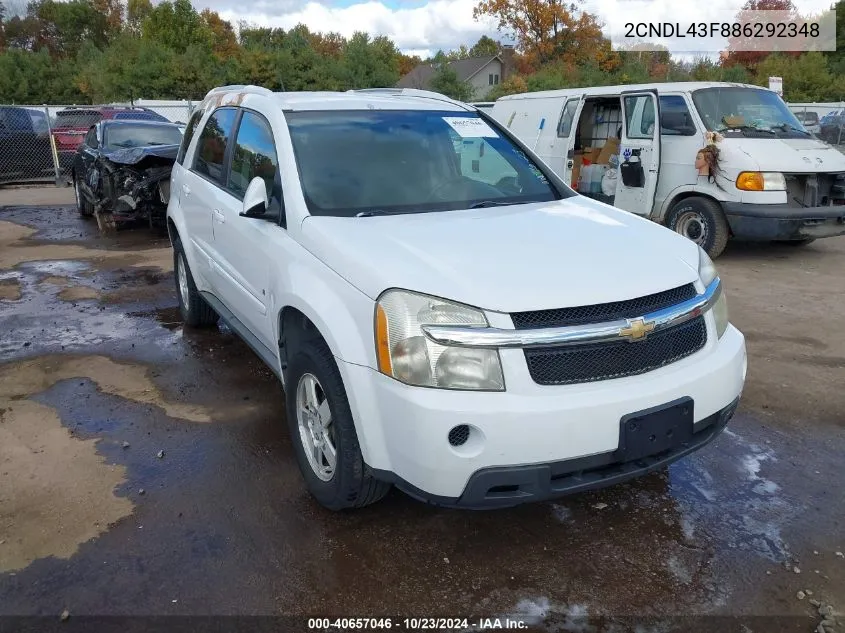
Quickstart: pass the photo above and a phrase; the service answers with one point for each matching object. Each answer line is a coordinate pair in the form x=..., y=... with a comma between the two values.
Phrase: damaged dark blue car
x=121, y=172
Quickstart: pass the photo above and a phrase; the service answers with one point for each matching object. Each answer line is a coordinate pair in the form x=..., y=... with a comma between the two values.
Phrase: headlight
x=405, y=353
x=761, y=181
x=707, y=273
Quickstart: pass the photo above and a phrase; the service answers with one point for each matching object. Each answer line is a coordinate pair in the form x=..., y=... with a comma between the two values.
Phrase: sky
x=423, y=26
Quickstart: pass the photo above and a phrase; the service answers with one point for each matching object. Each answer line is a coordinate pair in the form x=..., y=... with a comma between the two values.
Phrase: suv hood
x=508, y=259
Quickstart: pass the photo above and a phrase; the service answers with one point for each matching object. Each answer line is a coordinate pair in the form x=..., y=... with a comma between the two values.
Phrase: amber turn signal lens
x=383, y=343
x=750, y=181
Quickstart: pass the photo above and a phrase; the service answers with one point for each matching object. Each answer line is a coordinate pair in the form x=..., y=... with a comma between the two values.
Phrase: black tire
x=803, y=242
x=352, y=485
x=85, y=208
x=702, y=221
x=195, y=310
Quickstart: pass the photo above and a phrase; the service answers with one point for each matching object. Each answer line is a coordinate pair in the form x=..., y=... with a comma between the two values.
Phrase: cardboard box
x=591, y=154
x=610, y=148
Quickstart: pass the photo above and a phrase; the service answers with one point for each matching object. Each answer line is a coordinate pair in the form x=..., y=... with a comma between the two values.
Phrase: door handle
x=219, y=216
x=186, y=190
x=569, y=164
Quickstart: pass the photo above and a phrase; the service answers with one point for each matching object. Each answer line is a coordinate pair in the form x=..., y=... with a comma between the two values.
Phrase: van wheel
x=194, y=309
x=702, y=221
x=323, y=432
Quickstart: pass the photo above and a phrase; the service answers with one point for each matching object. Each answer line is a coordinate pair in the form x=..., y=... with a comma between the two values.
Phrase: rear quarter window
x=188, y=135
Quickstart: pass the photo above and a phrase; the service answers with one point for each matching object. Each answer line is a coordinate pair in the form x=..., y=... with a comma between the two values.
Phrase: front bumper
x=764, y=222
x=403, y=430
x=507, y=486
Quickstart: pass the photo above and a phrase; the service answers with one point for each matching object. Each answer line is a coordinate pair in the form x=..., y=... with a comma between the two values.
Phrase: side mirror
x=255, y=199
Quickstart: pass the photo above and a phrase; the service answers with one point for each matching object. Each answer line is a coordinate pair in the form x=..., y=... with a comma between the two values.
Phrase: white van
x=774, y=180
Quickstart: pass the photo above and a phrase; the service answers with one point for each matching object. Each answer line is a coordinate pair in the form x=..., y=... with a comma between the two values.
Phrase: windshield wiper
x=496, y=203
x=787, y=127
x=374, y=212
x=747, y=128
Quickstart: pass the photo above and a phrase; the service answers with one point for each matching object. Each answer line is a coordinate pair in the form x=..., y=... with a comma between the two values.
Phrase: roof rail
x=411, y=92
x=259, y=90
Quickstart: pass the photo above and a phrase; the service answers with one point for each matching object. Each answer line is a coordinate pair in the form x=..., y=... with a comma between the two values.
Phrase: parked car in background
x=72, y=124
x=121, y=171
x=25, y=152
x=832, y=127
x=810, y=120
x=39, y=122
x=476, y=338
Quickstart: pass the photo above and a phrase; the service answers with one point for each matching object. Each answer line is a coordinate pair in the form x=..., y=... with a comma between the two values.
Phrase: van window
x=211, y=148
x=747, y=112
x=675, y=118
x=564, y=126
x=639, y=116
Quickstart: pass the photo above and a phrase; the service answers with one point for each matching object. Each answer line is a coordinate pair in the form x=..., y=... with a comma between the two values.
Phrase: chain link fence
x=38, y=143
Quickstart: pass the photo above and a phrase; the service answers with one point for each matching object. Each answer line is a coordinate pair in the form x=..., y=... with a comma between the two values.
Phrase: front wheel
x=84, y=207
x=702, y=221
x=323, y=432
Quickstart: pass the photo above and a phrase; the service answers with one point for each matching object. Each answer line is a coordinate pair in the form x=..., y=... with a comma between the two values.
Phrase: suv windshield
x=747, y=112
x=121, y=136
x=398, y=161
x=80, y=118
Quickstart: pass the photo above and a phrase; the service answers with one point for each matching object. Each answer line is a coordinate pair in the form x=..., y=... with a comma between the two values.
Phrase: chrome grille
x=580, y=315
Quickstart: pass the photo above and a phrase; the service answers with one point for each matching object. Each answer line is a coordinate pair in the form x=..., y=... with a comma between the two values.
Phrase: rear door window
x=210, y=155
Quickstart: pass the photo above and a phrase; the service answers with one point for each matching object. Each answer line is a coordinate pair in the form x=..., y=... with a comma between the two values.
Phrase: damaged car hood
x=134, y=155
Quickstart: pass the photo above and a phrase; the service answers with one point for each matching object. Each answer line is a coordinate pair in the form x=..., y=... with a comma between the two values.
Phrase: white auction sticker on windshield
x=470, y=127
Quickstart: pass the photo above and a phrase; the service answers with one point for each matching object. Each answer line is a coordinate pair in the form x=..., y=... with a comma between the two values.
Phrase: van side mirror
x=255, y=199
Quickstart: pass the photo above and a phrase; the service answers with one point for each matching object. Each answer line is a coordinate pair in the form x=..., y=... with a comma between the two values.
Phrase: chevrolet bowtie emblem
x=637, y=329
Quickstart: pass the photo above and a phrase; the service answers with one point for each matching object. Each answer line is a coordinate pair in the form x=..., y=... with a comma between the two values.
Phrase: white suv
x=444, y=313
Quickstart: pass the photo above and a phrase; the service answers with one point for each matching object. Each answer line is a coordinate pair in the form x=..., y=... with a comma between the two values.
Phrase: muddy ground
x=146, y=469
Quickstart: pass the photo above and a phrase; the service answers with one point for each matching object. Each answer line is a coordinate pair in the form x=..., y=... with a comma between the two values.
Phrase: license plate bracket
x=655, y=430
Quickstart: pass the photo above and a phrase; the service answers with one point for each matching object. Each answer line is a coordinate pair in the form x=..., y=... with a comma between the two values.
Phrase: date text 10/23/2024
x=417, y=624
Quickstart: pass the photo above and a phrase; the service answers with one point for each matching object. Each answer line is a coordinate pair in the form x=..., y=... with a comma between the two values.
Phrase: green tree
x=486, y=46
x=177, y=26
x=445, y=81
x=805, y=78
x=137, y=11
x=370, y=64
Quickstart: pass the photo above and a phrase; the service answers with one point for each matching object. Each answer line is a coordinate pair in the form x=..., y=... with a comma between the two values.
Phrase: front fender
x=341, y=312
x=706, y=189
x=344, y=317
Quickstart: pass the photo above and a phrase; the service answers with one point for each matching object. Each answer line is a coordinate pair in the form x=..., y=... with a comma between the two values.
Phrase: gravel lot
x=147, y=470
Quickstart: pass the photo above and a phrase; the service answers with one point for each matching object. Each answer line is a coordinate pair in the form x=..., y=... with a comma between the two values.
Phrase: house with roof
x=481, y=73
